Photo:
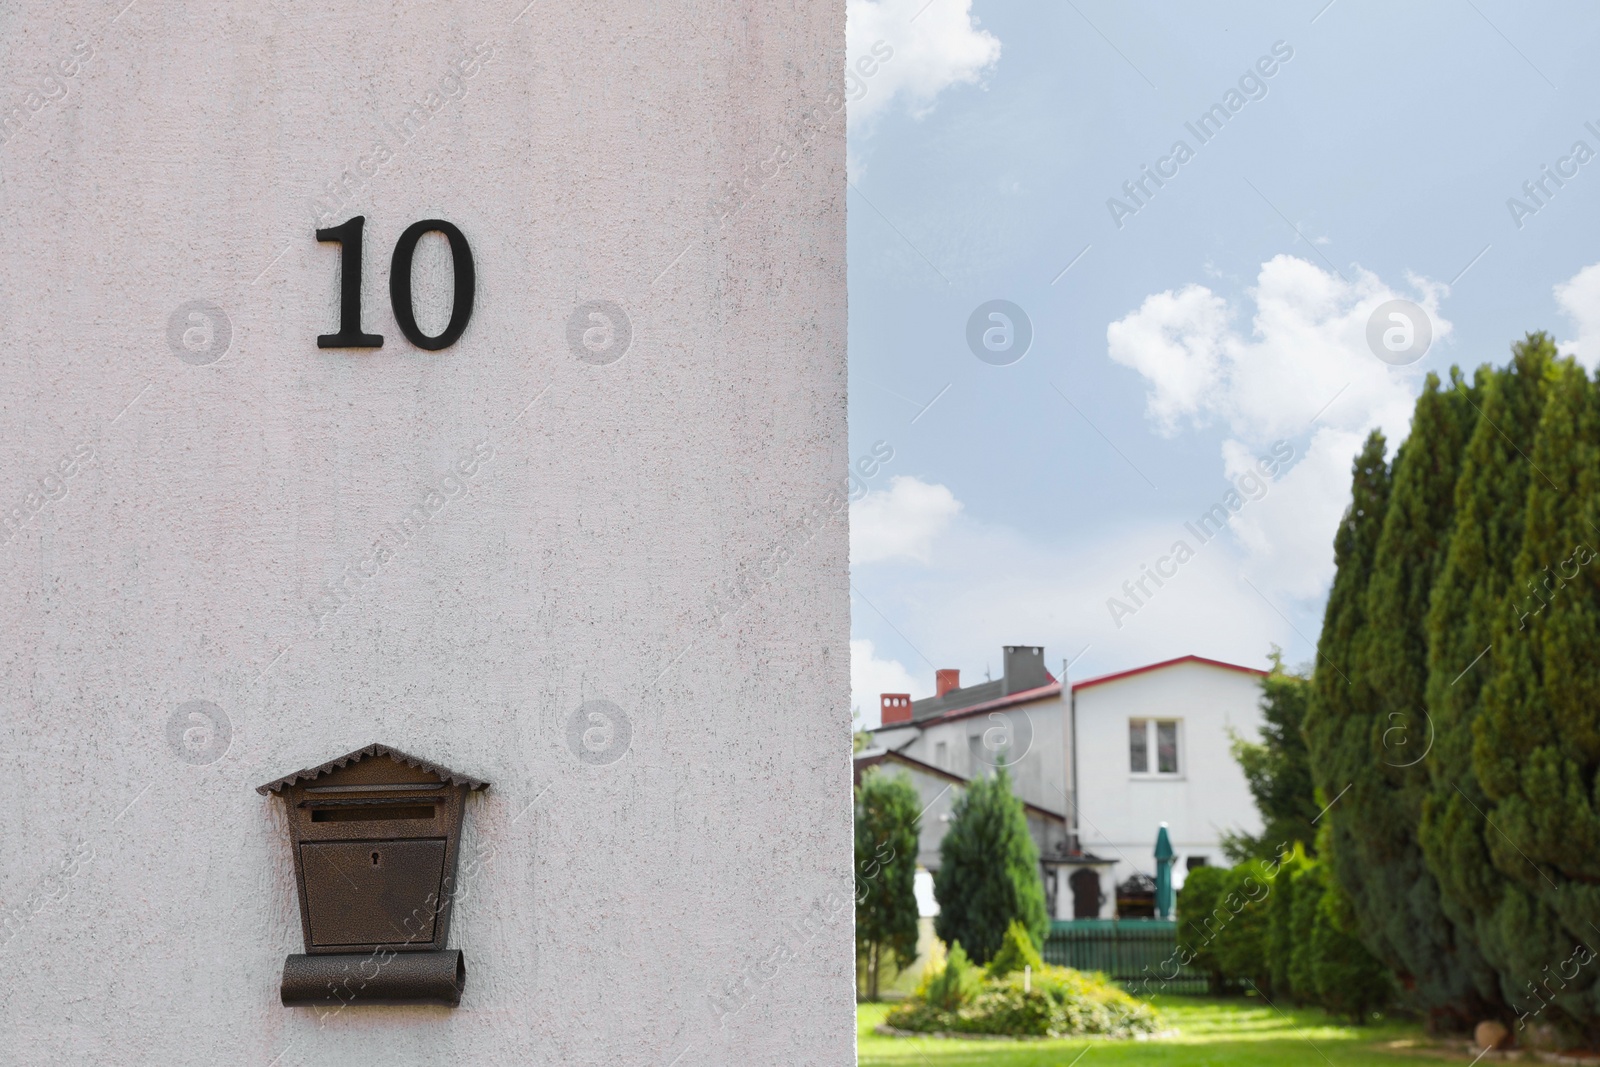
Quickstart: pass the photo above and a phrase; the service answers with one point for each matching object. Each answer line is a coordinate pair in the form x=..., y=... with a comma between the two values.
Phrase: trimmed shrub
x=1016, y=952
x=1241, y=942
x=952, y=985
x=1059, y=1002
x=1088, y=1003
x=1280, y=928
x=1003, y=1008
x=1198, y=921
x=1308, y=887
x=1350, y=981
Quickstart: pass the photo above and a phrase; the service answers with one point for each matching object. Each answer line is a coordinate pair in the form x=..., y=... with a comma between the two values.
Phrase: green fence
x=1142, y=954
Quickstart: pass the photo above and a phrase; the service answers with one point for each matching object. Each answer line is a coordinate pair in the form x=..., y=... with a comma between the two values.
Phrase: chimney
x=1024, y=668
x=946, y=680
x=895, y=707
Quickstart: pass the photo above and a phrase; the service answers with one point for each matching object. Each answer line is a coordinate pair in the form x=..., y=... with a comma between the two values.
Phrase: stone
x=1491, y=1033
x=1543, y=1036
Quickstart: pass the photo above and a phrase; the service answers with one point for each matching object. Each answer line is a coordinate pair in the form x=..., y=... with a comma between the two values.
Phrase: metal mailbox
x=375, y=835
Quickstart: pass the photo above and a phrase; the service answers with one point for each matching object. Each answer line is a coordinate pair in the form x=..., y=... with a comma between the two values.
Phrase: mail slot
x=375, y=835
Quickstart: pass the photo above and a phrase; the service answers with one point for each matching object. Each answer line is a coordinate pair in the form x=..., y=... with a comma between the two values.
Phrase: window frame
x=1143, y=728
x=1152, y=748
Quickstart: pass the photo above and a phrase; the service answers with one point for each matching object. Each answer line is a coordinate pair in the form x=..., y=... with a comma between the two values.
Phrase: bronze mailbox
x=375, y=834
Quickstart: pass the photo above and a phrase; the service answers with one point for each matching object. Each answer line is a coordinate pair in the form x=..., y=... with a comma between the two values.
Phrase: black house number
x=350, y=335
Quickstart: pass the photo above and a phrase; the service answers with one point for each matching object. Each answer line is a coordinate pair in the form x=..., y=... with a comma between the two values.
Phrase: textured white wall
x=662, y=531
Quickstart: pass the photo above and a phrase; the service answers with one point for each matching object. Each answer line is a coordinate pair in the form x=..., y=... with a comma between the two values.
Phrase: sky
x=1186, y=328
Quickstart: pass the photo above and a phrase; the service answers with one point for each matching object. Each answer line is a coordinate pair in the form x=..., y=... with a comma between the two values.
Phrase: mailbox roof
x=445, y=773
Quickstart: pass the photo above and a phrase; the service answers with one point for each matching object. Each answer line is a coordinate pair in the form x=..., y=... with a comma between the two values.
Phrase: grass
x=1241, y=1032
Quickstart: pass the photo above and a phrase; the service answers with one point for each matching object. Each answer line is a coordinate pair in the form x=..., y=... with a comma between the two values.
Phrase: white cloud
x=1307, y=342
x=1302, y=373
x=996, y=587
x=1288, y=363
x=900, y=522
x=1175, y=341
x=1579, y=298
x=988, y=586
x=871, y=677
x=1288, y=534
x=914, y=49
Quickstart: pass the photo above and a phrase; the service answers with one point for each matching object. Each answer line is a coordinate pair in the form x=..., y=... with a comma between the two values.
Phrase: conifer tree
x=1277, y=769
x=988, y=871
x=888, y=818
x=1536, y=742
x=1396, y=902
x=1016, y=952
x=1338, y=716
x=1469, y=596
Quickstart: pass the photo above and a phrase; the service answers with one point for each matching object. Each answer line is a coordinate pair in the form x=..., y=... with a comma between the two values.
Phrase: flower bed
x=1019, y=996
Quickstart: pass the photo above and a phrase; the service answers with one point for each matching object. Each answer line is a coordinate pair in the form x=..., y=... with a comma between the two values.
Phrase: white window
x=941, y=755
x=1153, y=741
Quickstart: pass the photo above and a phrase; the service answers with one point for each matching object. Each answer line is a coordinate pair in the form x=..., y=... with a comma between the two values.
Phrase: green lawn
x=1242, y=1032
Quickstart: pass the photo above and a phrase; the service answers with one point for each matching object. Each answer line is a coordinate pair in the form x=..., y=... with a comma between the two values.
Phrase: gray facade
x=1018, y=722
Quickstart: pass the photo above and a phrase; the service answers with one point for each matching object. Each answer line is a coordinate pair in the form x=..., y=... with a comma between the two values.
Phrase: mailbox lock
x=374, y=836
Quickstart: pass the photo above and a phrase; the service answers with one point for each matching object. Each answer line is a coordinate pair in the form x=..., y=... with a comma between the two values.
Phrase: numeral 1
x=348, y=234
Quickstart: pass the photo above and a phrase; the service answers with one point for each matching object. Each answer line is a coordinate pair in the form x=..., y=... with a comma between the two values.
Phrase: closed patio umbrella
x=1163, y=874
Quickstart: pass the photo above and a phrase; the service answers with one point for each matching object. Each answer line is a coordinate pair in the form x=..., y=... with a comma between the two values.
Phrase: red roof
x=1053, y=690
x=1104, y=678
x=1027, y=696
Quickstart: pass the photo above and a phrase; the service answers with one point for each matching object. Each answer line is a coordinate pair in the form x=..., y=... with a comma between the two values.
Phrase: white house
x=1099, y=765
x=1153, y=747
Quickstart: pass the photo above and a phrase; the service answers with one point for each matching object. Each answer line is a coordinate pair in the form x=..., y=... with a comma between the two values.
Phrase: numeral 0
x=350, y=335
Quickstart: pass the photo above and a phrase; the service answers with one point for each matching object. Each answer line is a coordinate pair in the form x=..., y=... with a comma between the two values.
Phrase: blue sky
x=1226, y=317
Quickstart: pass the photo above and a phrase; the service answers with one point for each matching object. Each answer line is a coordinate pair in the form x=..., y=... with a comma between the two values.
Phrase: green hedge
x=1280, y=928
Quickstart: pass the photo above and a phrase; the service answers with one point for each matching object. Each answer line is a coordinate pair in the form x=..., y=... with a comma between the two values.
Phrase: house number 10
x=350, y=335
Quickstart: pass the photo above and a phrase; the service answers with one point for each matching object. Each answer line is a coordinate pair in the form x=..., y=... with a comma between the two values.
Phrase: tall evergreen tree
x=888, y=819
x=1277, y=769
x=1469, y=596
x=1338, y=715
x=1396, y=902
x=988, y=871
x=1536, y=742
